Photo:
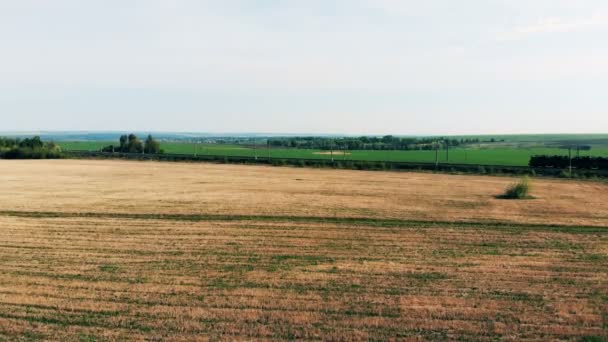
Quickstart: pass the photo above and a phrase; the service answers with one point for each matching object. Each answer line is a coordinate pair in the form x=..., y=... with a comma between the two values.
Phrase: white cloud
x=556, y=25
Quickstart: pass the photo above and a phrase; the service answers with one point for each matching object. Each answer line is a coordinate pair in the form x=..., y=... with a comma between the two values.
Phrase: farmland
x=104, y=250
x=507, y=155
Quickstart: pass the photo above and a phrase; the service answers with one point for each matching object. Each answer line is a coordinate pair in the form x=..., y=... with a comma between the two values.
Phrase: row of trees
x=132, y=144
x=34, y=142
x=29, y=148
x=387, y=142
x=563, y=162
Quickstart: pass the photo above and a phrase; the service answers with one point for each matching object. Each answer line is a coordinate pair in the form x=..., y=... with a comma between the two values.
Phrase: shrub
x=519, y=190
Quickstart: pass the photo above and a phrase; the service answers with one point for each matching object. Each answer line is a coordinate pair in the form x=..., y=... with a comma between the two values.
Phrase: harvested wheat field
x=106, y=250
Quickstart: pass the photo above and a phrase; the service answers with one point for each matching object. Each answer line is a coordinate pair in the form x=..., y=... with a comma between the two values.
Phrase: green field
x=498, y=155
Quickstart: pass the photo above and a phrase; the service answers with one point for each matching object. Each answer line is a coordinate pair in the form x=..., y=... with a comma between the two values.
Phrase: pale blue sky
x=309, y=66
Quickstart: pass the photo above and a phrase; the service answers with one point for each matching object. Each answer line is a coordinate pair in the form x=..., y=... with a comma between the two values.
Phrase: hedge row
x=349, y=164
x=563, y=162
x=30, y=153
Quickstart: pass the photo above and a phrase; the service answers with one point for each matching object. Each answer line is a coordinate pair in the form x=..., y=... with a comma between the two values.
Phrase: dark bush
x=519, y=190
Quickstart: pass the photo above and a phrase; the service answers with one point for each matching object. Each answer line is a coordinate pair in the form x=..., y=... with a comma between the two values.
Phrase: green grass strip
x=357, y=221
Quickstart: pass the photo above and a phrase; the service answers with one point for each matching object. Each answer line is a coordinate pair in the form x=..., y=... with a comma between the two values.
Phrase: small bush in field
x=519, y=190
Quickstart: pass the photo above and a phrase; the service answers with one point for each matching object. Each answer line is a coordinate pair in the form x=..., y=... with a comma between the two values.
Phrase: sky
x=305, y=66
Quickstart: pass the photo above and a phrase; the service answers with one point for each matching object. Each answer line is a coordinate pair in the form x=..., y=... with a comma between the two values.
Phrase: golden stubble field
x=106, y=250
x=152, y=187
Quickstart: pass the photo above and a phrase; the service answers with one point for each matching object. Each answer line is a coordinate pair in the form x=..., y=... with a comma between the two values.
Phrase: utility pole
x=436, y=154
x=268, y=148
x=447, y=151
x=570, y=159
x=331, y=147
x=255, y=151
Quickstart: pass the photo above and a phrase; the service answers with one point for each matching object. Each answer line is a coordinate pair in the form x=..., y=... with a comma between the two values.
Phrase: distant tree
x=387, y=139
x=131, y=144
x=132, y=137
x=135, y=145
x=124, y=139
x=53, y=147
x=32, y=143
x=387, y=142
x=8, y=142
x=29, y=148
x=110, y=148
x=151, y=145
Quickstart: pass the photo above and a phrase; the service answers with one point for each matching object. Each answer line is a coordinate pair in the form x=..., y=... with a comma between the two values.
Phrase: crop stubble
x=109, y=275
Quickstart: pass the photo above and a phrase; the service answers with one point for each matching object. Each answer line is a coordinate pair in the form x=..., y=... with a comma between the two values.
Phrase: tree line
x=563, y=162
x=132, y=144
x=29, y=148
x=387, y=142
